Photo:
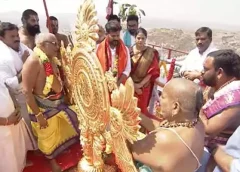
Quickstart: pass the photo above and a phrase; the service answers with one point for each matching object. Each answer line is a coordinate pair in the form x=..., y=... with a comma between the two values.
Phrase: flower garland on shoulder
x=171, y=70
x=164, y=65
x=115, y=67
x=48, y=69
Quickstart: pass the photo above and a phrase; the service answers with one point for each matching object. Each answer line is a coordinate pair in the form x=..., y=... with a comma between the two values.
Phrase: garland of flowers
x=48, y=69
x=115, y=68
x=171, y=70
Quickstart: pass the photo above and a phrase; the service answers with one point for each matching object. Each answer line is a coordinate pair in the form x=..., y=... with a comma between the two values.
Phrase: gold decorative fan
x=101, y=125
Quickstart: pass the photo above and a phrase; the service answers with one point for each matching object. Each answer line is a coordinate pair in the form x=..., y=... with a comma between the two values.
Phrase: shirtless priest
x=172, y=146
x=54, y=123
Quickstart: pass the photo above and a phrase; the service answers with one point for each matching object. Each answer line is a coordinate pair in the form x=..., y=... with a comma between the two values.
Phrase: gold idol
x=104, y=128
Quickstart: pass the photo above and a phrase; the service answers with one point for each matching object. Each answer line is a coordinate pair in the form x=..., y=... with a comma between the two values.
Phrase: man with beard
x=54, y=26
x=113, y=54
x=171, y=145
x=193, y=64
x=132, y=26
x=30, y=28
x=221, y=113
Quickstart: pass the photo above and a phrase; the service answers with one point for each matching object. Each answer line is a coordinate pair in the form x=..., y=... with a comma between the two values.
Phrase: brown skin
x=228, y=119
x=114, y=38
x=172, y=154
x=222, y=159
x=60, y=37
x=25, y=37
x=132, y=27
x=34, y=79
x=202, y=43
x=12, y=40
x=101, y=34
x=14, y=118
x=191, y=75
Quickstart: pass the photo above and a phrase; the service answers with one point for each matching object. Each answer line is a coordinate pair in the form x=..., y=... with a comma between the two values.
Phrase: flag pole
x=109, y=8
x=47, y=15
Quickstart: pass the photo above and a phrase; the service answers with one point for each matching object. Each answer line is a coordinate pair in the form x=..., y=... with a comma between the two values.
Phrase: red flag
x=109, y=8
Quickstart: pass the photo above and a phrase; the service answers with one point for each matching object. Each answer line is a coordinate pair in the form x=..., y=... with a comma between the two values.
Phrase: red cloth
x=109, y=9
x=66, y=160
x=105, y=56
x=144, y=98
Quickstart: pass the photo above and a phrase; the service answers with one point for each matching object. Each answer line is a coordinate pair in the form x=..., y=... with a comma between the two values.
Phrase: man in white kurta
x=193, y=64
x=14, y=60
x=14, y=138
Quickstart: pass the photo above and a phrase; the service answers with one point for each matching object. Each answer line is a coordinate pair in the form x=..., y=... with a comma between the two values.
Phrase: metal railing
x=170, y=50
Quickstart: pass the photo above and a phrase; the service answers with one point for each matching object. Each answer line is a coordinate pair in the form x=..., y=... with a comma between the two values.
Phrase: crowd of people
x=199, y=125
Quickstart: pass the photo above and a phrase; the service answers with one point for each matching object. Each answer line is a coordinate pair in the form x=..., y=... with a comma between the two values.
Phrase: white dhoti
x=14, y=144
x=10, y=65
x=15, y=140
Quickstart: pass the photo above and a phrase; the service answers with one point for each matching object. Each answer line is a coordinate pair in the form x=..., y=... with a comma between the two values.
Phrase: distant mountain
x=181, y=38
x=67, y=22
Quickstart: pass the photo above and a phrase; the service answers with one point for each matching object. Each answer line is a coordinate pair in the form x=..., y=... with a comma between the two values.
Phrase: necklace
x=233, y=79
x=189, y=124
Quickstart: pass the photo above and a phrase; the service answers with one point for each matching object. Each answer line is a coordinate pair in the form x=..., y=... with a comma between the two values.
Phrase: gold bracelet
x=39, y=114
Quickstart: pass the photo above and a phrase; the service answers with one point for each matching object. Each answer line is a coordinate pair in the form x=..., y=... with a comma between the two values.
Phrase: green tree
x=129, y=9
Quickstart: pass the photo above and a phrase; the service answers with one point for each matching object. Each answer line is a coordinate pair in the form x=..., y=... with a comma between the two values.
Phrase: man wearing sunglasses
x=54, y=122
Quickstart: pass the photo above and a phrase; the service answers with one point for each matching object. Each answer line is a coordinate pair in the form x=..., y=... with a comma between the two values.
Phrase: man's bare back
x=168, y=152
x=172, y=146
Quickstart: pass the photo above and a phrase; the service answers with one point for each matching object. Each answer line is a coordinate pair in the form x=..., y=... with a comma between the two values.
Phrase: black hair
x=204, y=30
x=141, y=30
x=228, y=60
x=112, y=26
x=53, y=18
x=27, y=13
x=114, y=17
x=199, y=100
x=6, y=26
x=132, y=17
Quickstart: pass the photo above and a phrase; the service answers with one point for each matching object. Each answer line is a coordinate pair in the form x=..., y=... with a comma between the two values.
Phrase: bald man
x=55, y=123
x=172, y=146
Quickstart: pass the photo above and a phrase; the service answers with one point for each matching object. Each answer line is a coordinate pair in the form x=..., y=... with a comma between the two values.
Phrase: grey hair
x=42, y=37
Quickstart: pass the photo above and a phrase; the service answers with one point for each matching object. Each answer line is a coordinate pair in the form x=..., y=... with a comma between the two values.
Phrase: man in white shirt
x=228, y=157
x=132, y=27
x=15, y=140
x=113, y=54
x=193, y=64
x=13, y=55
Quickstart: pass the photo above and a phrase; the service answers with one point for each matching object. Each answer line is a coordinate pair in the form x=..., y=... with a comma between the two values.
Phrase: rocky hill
x=185, y=39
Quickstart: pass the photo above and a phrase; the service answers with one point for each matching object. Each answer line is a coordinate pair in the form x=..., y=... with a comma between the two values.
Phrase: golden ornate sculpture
x=105, y=127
